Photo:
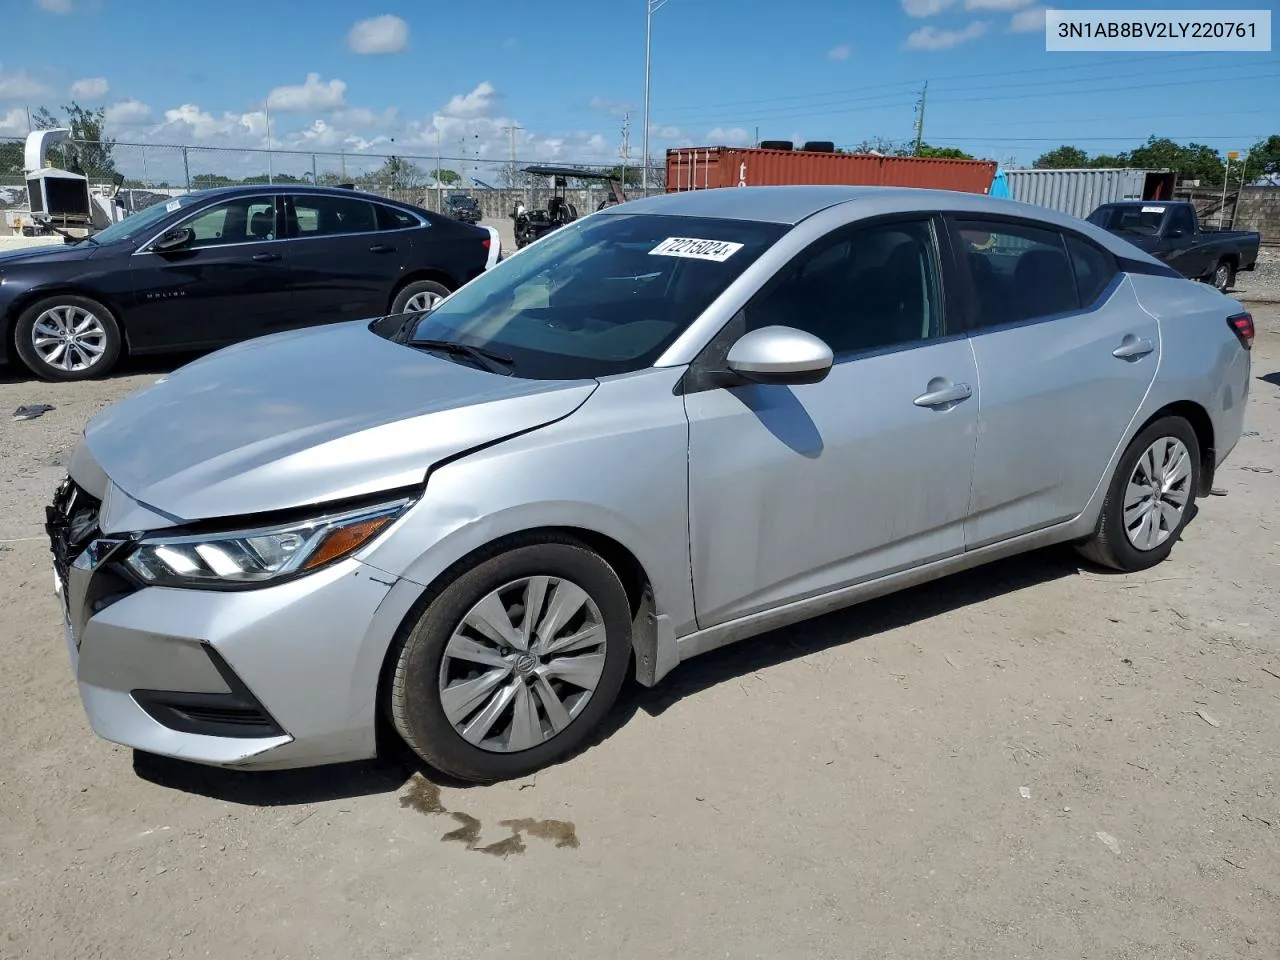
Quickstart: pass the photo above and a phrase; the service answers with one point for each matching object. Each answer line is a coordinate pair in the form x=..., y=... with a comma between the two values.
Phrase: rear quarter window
x=1093, y=266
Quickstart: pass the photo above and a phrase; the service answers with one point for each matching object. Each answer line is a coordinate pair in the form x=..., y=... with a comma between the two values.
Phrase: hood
x=306, y=417
x=54, y=252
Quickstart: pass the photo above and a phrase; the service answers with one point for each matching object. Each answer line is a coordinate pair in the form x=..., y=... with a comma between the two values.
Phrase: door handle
x=942, y=392
x=1132, y=347
x=266, y=257
x=381, y=248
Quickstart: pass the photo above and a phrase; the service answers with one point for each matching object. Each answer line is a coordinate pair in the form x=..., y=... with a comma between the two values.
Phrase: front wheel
x=513, y=665
x=1150, y=499
x=66, y=337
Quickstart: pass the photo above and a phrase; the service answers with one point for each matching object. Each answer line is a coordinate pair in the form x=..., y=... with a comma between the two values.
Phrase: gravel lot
x=1031, y=760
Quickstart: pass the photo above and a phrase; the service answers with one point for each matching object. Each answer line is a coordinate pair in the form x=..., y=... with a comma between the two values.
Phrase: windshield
x=1129, y=219
x=601, y=296
x=141, y=222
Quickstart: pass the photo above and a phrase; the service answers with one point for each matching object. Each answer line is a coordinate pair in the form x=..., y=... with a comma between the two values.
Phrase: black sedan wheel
x=419, y=297
x=67, y=338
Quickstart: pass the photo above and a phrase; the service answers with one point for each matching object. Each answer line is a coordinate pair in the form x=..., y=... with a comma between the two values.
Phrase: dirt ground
x=1031, y=760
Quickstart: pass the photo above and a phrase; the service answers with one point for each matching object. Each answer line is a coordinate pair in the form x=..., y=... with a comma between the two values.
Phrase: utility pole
x=462, y=150
x=625, y=152
x=270, y=164
x=920, y=118
x=439, y=188
x=511, y=171
x=650, y=8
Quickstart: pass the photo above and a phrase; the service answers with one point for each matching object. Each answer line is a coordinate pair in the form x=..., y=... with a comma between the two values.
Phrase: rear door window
x=1018, y=272
x=1094, y=268
x=325, y=216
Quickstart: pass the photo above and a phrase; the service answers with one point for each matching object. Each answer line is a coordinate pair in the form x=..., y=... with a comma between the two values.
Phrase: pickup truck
x=1171, y=231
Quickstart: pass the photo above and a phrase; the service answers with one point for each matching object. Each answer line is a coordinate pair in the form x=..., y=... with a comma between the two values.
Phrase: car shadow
x=1271, y=378
x=388, y=775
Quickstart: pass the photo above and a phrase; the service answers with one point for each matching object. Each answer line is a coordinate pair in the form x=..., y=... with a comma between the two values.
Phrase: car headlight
x=268, y=554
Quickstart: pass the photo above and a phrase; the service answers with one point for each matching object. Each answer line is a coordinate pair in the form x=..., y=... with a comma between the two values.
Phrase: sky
x=414, y=78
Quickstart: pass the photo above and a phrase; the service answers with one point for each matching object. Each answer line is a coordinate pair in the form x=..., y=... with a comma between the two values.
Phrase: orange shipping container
x=700, y=168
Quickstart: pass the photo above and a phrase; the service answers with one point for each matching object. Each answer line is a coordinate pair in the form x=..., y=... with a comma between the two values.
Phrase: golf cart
x=530, y=225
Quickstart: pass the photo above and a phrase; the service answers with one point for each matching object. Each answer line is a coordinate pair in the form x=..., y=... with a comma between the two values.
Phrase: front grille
x=71, y=522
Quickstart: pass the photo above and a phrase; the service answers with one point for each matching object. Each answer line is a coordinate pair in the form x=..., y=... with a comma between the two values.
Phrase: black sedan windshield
x=602, y=296
x=131, y=227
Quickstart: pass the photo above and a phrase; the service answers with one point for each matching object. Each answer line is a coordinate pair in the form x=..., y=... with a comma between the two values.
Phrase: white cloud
x=363, y=117
x=615, y=108
x=931, y=38
x=311, y=95
x=127, y=113
x=841, y=52
x=473, y=104
x=384, y=34
x=925, y=8
x=13, y=123
x=1028, y=21
x=20, y=85
x=90, y=88
x=730, y=137
x=55, y=6
x=242, y=129
x=668, y=132
x=997, y=5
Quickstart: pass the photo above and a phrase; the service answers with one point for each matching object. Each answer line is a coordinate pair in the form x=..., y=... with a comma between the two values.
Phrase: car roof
x=789, y=205
x=253, y=189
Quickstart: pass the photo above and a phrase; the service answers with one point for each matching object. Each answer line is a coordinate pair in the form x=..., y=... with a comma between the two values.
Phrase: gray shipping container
x=1077, y=192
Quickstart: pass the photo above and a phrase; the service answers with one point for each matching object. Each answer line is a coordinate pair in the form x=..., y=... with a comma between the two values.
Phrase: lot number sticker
x=1153, y=209
x=693, y=249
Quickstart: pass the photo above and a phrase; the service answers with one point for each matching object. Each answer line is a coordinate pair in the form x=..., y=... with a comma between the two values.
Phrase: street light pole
x=650, y=8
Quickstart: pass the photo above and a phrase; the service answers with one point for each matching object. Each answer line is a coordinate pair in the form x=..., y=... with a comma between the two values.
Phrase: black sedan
x=218, y=266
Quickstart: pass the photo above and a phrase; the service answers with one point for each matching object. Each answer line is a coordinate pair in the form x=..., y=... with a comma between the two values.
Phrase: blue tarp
x=1000, y=186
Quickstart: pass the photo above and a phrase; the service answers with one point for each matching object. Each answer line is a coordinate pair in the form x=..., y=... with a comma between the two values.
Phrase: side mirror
x=175, y=239
x=780, y=355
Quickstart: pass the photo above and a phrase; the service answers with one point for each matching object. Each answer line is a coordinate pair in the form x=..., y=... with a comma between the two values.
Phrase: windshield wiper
x=493, y=362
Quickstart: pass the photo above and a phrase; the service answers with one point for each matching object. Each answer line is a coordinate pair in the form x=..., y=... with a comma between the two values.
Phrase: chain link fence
x=153, y=172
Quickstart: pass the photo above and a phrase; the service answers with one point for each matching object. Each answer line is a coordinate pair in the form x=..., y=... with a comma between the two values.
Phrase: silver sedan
x=675, y=423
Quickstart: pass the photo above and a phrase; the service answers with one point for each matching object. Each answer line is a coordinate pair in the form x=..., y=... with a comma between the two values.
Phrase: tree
x=1264, y=160
x=396, y=173
x=938, y=153
x=633, y=175
x=447, y=177
x=1062, y=158
x=871, y=145
x=92, y=148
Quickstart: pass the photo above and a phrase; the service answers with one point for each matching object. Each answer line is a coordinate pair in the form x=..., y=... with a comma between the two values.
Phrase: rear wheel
x=515, y=663
x=67, y=337
x=1224, y=275
x=1150, y=498
x=419, y=296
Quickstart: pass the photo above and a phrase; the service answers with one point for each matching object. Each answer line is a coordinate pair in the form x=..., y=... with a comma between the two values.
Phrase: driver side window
x=869, y=288
x=242, y=220
x=1180, y=219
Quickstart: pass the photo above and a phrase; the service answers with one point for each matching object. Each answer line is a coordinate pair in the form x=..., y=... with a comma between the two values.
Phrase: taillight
x=1242, y=326
x=486, y=240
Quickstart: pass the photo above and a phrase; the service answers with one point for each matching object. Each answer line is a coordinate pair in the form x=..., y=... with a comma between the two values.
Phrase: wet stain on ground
x=424, y=797
x=561, y=831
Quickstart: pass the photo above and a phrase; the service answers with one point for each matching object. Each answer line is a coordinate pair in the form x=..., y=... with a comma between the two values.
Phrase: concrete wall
x=1259, y=210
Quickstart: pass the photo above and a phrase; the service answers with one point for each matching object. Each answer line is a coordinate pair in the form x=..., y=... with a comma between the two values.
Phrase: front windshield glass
x=130, y=227
x=1129, y=219
x=601, y=296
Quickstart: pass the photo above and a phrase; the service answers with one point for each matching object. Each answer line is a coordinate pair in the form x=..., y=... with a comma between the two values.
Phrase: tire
x=1112, y=545
x=435, y=656
x=85, y=330
x=418, y=296
x=1224, y=275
